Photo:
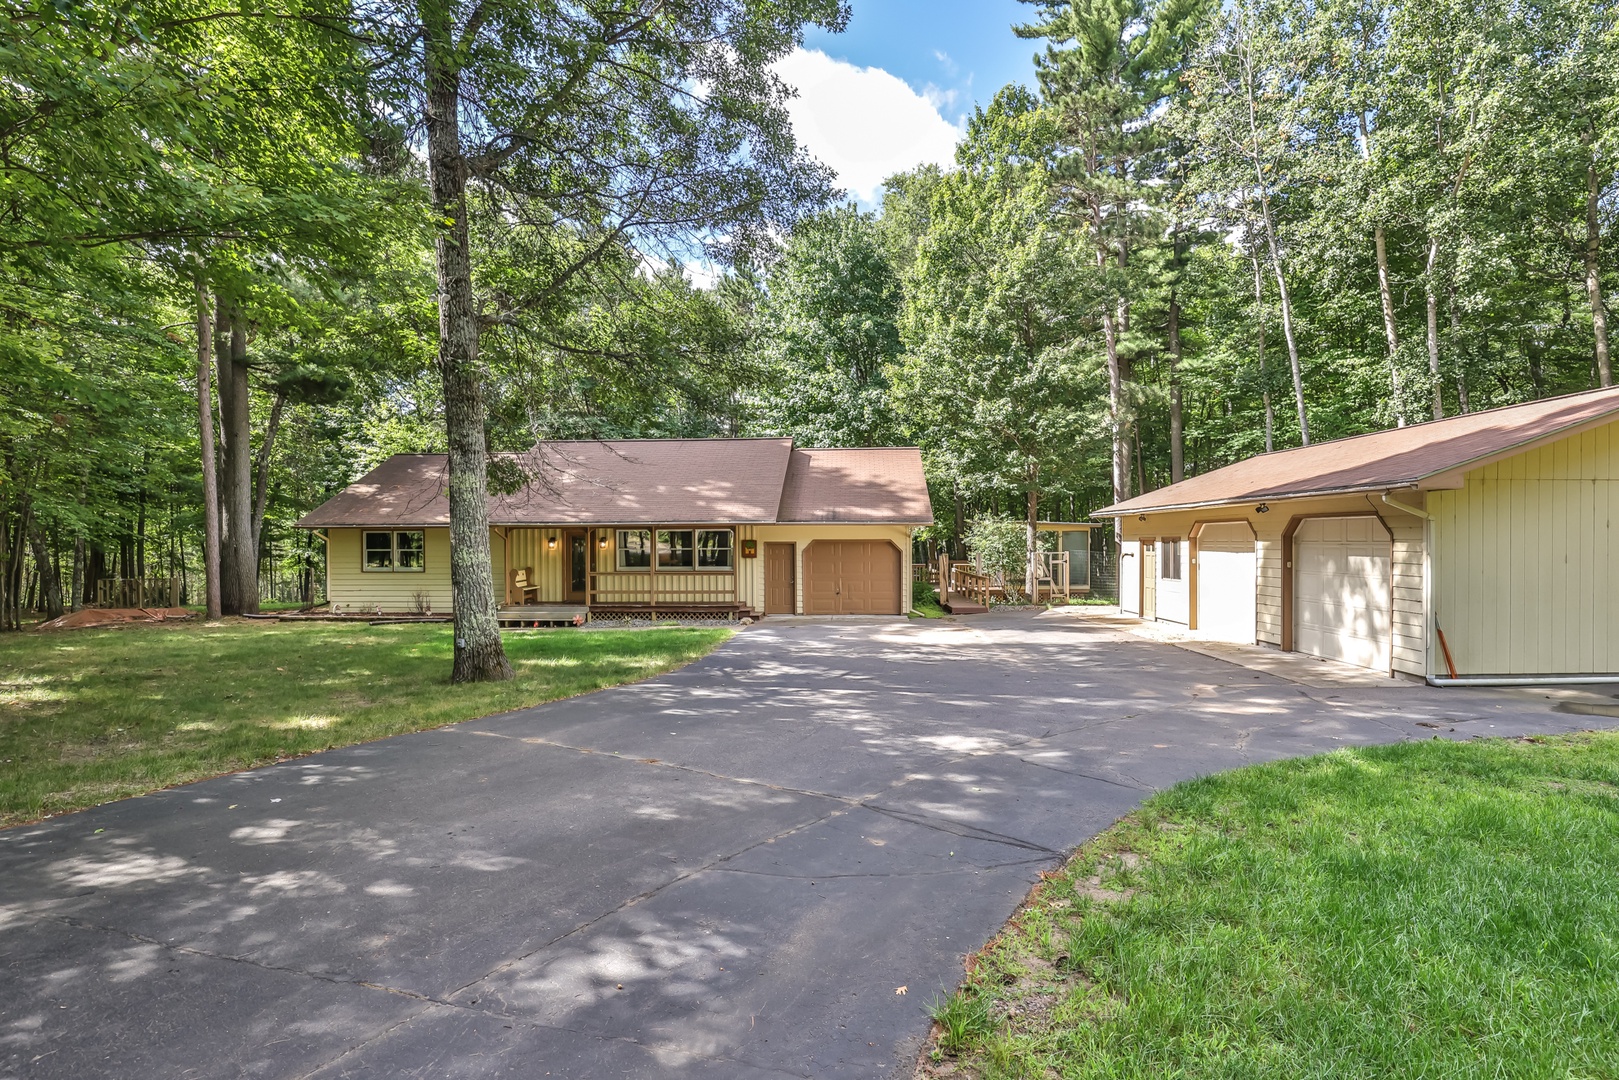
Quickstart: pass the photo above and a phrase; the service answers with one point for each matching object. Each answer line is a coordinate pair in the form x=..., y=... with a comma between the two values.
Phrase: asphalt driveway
x=765, y=864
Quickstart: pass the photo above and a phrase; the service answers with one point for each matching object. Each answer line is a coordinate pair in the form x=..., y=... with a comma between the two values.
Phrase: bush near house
x=88, y=716
x=1431, y=909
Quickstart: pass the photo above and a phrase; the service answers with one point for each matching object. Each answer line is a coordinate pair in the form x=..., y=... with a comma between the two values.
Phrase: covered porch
x=572, y=574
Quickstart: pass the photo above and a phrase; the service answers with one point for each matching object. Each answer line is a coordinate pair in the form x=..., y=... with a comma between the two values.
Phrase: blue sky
x=962, y=45
x=894, y=90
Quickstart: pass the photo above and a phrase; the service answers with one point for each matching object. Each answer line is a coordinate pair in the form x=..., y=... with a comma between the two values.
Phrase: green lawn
x=1426, y=910
x=92, y=715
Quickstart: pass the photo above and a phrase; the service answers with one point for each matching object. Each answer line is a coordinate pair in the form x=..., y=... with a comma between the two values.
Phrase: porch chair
x=523, y=586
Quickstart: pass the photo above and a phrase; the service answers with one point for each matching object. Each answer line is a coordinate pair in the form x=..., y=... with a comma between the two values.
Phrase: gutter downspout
x=326, y=583
x=1430, y=621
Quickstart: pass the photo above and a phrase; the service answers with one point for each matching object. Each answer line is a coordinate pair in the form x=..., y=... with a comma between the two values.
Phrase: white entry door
x=1341, y=591
x=1225, y=582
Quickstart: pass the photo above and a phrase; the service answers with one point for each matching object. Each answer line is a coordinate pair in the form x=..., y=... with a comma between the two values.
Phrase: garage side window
x=1169, y=560
x=404, y=551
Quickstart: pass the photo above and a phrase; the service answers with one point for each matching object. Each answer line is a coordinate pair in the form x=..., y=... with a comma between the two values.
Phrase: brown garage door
x=851, y=577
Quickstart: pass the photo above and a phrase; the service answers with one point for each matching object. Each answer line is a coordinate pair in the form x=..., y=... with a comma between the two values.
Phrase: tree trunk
x=1593, y=278
x=239, y=561
x=76, y=599
x=261, y=483
x=1031, y=541
x=1276, y=257
x=1264, y=375
x=210, y=484
x=1177, y=446
x=1433, y=331
x=50, y=578
x=1391, y=333
x=479, y=654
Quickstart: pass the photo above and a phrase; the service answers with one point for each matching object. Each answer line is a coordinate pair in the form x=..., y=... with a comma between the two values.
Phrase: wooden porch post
x=652, y=575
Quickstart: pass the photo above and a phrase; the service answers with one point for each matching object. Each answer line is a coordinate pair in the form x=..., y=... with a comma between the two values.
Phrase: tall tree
x=649, y=121
x=833, y=307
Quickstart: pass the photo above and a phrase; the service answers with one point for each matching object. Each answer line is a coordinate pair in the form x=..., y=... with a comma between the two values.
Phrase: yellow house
x=1480, y=547
x=662, y=526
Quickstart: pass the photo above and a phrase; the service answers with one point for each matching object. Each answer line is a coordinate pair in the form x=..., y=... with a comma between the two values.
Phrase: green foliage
x=832, y=313
x=999, y=545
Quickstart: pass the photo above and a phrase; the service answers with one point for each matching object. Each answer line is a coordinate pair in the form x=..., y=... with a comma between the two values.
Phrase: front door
x=781, y=579
x=1149, y=579
x=578, y=565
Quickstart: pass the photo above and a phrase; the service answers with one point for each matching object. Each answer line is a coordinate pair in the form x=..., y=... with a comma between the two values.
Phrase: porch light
x=602, y=543
x=551, y=542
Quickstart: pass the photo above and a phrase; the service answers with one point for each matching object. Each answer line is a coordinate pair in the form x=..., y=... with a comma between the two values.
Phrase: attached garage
x=1342, y=594
x=852, y=577
x=1225, y=574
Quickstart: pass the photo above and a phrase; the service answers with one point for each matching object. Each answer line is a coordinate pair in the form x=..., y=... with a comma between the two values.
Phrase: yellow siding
x=801, y=536
x=1271, y=564
x=353, y=588
x=347, y=584
x=1524, y=550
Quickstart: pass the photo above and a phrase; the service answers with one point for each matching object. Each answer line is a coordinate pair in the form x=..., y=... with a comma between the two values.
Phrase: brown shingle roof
x=874, y=484
x=1430, y=455
x=649, y=481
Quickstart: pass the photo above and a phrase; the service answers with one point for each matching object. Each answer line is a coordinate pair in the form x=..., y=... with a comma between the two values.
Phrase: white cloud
x=864, y=122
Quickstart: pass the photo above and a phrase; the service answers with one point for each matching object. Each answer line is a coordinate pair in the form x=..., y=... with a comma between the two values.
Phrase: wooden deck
x=540, y=614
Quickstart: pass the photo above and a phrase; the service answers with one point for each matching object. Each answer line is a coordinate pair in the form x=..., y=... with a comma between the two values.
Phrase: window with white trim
x=395, y=551
x=675, y=550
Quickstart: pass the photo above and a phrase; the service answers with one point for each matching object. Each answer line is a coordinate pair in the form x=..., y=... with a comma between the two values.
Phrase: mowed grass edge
x=88, y=716
x=1430, y=909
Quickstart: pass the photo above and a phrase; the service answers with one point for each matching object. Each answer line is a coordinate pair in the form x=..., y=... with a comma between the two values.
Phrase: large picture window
x=714, y=549
x=634, y=549
x=401, y=551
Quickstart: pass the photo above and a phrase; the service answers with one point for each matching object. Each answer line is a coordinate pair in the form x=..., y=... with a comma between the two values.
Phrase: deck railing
x=138, y=592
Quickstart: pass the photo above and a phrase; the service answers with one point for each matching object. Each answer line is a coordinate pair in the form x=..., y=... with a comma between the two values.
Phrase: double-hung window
x=1169, y=560
x=675, y=551
x=398, y=551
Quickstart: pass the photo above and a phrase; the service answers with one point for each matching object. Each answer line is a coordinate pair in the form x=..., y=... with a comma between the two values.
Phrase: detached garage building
x=642, y=526
x=1490, y=533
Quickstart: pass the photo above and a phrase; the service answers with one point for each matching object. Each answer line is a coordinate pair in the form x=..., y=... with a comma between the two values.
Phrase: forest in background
x=277, y=242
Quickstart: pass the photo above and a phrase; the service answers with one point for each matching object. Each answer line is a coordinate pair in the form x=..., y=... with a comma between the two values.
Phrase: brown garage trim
x=1293, y=524
x=1195, y=571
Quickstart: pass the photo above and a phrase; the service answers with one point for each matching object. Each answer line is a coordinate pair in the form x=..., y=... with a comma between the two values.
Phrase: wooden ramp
x=957, y=605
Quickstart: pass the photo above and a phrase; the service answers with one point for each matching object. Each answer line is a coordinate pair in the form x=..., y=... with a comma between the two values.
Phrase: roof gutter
x=1111, y=512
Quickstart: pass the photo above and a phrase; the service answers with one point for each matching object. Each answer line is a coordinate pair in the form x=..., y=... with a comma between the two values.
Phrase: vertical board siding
x=1524, y=561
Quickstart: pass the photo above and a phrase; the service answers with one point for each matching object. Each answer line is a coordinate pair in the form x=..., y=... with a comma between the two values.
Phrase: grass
x=87, y=716
x=1430, y=910
x=925, y=601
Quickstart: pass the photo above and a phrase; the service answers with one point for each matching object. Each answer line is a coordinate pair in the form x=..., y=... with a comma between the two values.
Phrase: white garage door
x=1341, y=592
x=1225, y=582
